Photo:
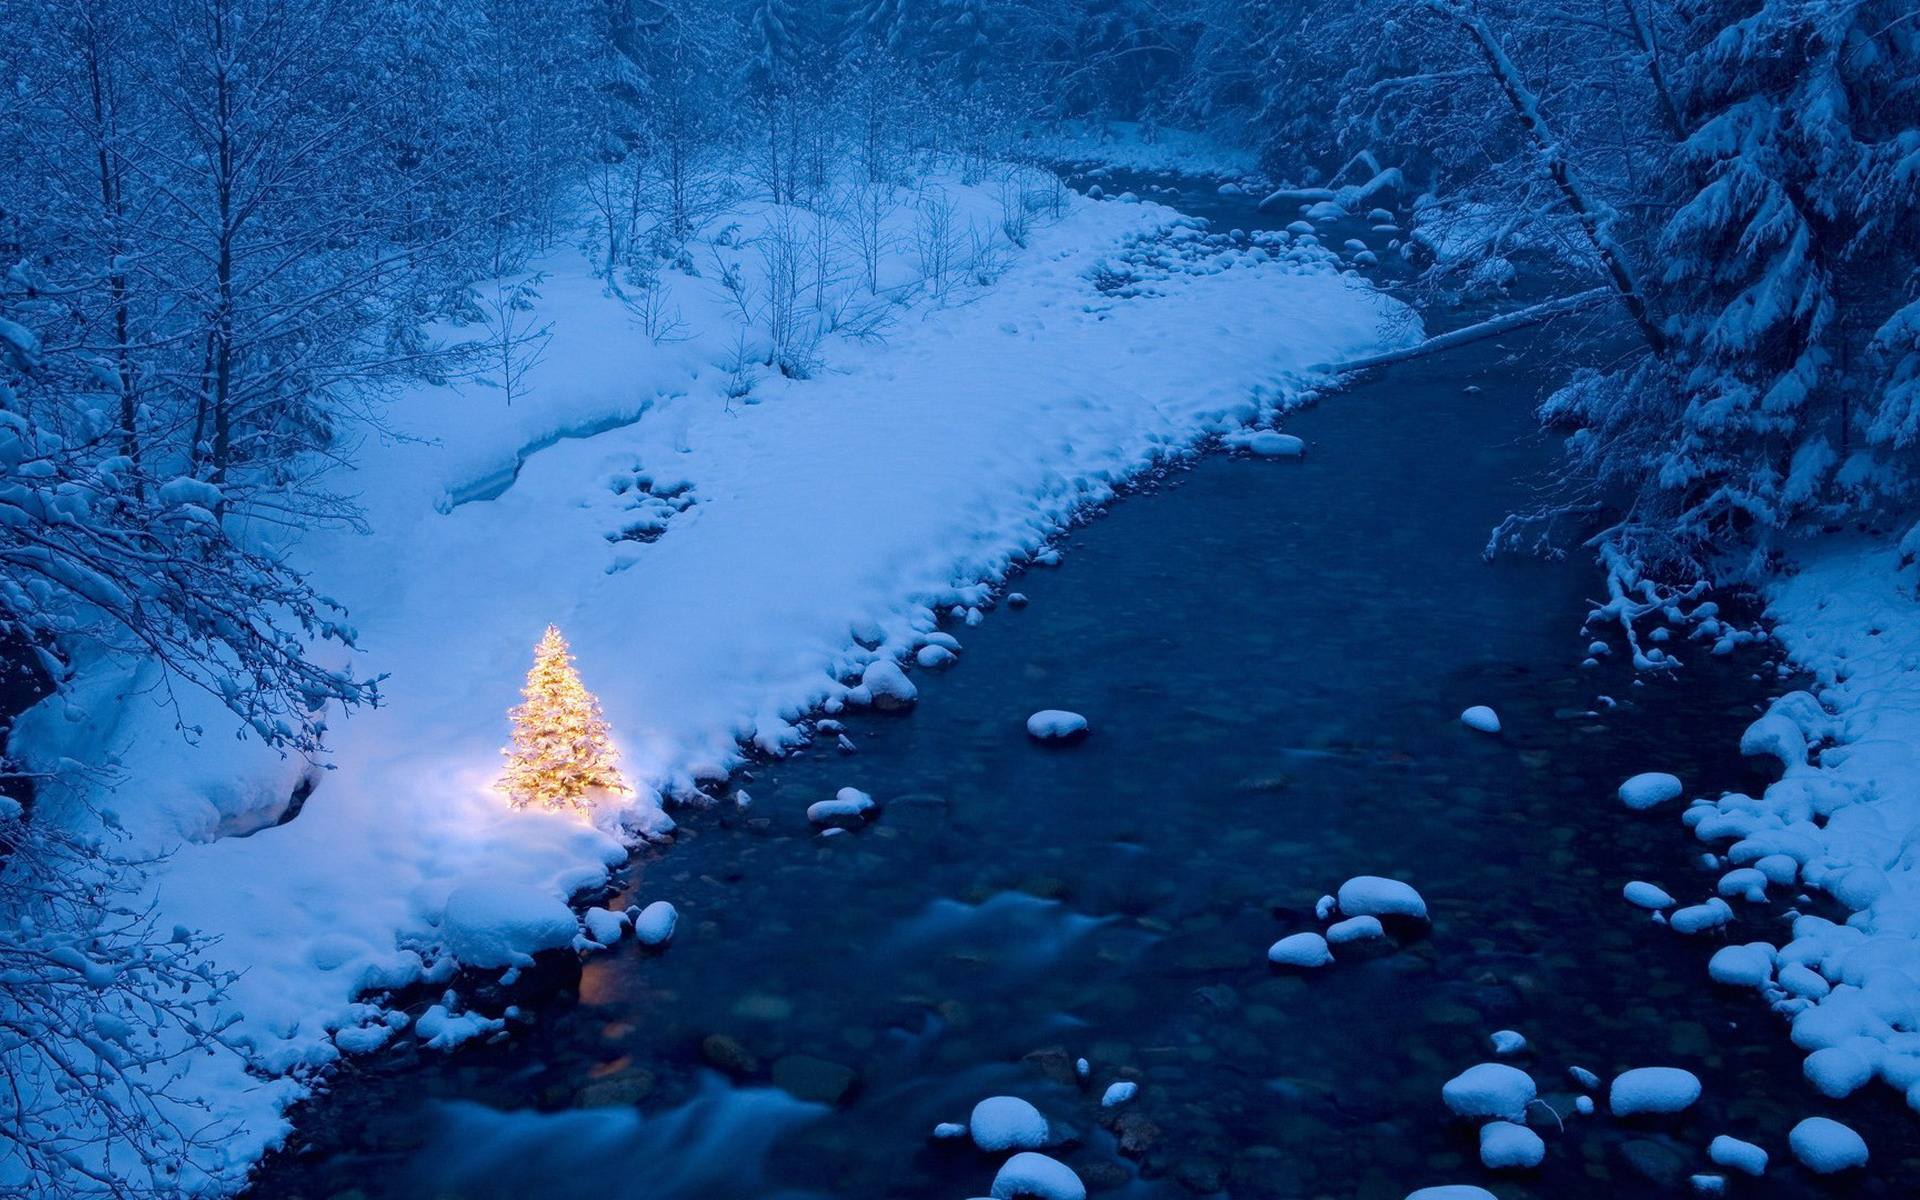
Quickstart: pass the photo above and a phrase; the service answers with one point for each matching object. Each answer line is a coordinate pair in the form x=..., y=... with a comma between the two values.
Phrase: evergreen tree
x=562, y=752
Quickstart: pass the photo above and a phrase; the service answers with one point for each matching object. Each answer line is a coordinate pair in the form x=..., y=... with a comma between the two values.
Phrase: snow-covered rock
x=1838, y=1071
x=1056, y=725
x=934, y=658
x=1698, y=918
x=655, y=923
x=1118, y=1093
x=1266, y=443
x=849, y=806
x=1507, y=1041
x=1642, y=894
x=949, y=1130
x=1749, y=965
x=489, y=924
x=1506, y=1146
x=1489, y=1091
x=1452, y=1191
x=887, y=686
x=1303, y=950
x=1030, y=1176
x=1355, y=929
x=604, y=925
x=1482, y=718
x=1375, y=896
x=1825, y=1146
x=1652, y=1090
x=1743, y=883
x=1007, y=1123
x=1736, y=1155
x=1652, y=788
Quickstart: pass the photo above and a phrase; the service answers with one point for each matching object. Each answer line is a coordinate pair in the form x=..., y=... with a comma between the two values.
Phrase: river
x=1273, y=656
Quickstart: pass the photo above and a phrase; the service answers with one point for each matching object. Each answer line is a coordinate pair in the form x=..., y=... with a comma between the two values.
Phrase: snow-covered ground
x=1843, y=821
x=723, y=565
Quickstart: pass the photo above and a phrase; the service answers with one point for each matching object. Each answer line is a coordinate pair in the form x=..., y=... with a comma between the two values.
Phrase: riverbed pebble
x=1304, y=950
x=1031, y=1176
x=1056, y=725
x=1652, y=1090
x=1736, y=1155
x=1825, y=1146
x=656, y=923
x=1482, y=718
x=1489, y=1090
x=1648, y=789
x=1642, y=894
x=1007, y=1123
x=1506, y=1146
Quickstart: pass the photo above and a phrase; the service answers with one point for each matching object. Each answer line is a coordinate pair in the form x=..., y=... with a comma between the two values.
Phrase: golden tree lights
x=561, y=752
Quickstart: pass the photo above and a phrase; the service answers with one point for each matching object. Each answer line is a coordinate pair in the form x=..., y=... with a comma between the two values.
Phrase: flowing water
x=1272, y=656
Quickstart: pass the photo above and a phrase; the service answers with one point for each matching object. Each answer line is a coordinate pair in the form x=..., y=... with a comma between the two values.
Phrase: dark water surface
x=1272, y=656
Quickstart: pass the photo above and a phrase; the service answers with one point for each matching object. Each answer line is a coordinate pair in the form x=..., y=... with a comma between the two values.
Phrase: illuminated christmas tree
x=561, y=751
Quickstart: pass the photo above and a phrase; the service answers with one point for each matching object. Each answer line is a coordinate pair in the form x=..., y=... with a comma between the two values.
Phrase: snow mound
x=1305, y=950
x=1266, y=443
x=1838, y=1071
x=1649, y=789
x=1652, y=1090
x=887, y=687
x=1007, y=1123
x=1482, y=718
x=604, y=925
x=1825, y=1146
x=1490, y=1090
x=655, y=924
x=1736, y=1155
x=1056, y=725
x=1355, y=929
x=488, y=925
x=849, y=806
x=1742, y=966
x=1375, y=896
x=1642, y=894
x=1030, y=1176
x=1505, y=1146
